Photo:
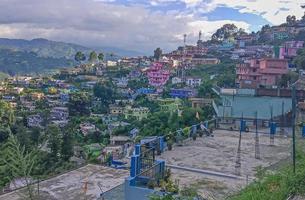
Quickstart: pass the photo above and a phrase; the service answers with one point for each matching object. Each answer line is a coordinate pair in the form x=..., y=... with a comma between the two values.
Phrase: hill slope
x=21, y=62
x=43, y=47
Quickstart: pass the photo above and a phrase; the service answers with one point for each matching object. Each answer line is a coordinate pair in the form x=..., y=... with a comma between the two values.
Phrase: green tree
x=55, y=141
x=226, y=31
x=20, y=164
x=287, y=79
x=299, y=60
x=92, y=57
x=105, y=93
x=4, y=133
x=79, y=57
x=100, y=57
x=157, y=53
x=7, y=116
x=79, y=104
x=67, y=143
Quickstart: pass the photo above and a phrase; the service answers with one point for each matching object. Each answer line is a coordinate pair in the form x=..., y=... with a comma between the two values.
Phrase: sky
x=140, y=25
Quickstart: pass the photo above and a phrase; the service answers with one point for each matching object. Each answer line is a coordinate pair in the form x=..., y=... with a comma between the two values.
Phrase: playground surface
x=218, y=154
x=71, y=185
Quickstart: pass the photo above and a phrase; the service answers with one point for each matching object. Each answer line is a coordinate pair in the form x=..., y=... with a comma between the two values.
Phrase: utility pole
x=293, y=126
x=184, y=57
x=257, y=151
x=271, y=124
x=238, y=156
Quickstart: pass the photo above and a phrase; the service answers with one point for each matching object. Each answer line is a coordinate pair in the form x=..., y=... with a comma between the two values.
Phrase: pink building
x=157, y=76
x=289, y=50
x=264, y=72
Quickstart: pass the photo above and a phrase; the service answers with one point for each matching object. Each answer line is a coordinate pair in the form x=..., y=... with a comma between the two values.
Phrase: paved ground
x=218, y=154
x=71, y=185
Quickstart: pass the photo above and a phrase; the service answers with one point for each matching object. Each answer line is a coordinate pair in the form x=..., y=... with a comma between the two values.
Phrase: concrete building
x=59, y=113
x=157, y=76
x=170, y=104
x=200, y=102
x=182, y=93
x=290, y=48
x=263, y=72
x=193, y=81
x=139, y=113
x=34, y=120
x=204, y=61
x=116, y=110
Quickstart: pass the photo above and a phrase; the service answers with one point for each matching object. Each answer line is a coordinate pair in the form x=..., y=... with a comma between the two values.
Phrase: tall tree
x=105, y=93
x=299, y=60
x=157, y=53
x=20, y=164
x=7, y=116
x=55, y=141
x=100, y=57
x=226, y=31
x=92, y=57
x=80, y=56
x=79, y=104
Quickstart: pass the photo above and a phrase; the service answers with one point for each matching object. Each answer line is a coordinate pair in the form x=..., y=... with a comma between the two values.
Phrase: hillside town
x=199, y=122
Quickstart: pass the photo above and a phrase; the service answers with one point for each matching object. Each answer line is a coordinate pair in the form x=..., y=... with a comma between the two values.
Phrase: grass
x=277, y=185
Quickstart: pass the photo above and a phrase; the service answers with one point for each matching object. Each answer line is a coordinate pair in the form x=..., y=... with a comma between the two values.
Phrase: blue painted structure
x=243, y=125
x=303, y=131
x=146, y=91
x=272, y=128
x=136, y=183
x=182, y=93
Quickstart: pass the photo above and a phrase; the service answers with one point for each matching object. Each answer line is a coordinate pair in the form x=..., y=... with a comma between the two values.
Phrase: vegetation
x=278, y=185
x=299, y=60
x=21, y=62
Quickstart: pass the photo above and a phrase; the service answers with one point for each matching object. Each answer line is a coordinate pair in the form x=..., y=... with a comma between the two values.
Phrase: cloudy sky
x=140, y=25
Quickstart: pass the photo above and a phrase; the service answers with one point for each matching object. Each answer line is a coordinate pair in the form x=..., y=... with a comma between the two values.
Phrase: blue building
x=146, y=91
x=182, y=93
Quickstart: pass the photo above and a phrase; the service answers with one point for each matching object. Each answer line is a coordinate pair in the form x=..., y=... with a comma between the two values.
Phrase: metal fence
x=150, y=176
x=116, y=193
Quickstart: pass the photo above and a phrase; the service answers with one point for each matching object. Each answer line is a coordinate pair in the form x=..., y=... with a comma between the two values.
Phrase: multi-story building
x=193, y=81
x=139, y=113
x=204, y=61
x=260, y=72
x=59, y=113
x=157, y=76
x=34, y=120
x=170, y=104
x=182, y=93
x=290, y=48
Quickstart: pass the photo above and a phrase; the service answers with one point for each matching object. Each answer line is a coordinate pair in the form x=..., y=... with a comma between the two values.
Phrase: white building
x=176, y=80
x=193, y=81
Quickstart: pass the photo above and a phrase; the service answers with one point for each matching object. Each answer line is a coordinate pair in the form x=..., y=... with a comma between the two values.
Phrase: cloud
x=274, y=11
x=99, y=23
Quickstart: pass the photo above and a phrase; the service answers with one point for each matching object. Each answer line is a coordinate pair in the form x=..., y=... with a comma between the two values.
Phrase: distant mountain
x=18, y=56
x=14, y=62
x=43, y=47
x=47, y=48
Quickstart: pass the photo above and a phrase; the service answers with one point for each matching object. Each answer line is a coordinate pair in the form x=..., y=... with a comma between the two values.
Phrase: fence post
x=133, y=166
x=137, y=149
x=161, y=140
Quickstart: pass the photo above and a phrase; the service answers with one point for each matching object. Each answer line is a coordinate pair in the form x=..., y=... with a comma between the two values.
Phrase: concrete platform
x=70, y=186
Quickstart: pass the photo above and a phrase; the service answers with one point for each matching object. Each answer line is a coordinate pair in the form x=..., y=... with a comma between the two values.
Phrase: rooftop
x=70, y=186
